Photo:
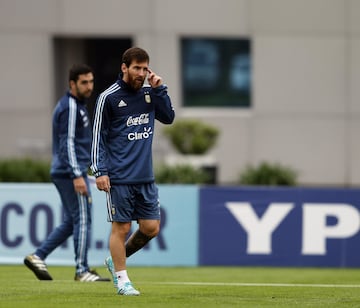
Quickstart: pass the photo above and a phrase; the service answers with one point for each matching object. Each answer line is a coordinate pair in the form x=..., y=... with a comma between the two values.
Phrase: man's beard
x=83, y=95
x=136, y=83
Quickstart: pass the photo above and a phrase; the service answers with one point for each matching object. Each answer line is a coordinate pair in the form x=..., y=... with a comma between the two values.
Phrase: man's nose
x=90, y=85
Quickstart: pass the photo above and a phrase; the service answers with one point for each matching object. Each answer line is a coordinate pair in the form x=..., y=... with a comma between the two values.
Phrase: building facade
x=305, y=64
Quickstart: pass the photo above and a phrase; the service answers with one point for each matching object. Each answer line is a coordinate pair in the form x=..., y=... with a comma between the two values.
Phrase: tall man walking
x=122, y=158
x=71, y=161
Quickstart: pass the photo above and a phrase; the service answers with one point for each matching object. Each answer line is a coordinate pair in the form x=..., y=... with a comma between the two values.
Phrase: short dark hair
x=79, y=69
x=135, y=53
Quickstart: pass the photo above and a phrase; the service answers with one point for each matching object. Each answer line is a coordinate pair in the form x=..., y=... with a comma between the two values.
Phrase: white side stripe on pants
x=108, y=206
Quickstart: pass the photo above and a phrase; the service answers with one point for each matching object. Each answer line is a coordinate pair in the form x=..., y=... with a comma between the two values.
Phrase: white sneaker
x=90, y=276
x=38, y=266
x=128, y=289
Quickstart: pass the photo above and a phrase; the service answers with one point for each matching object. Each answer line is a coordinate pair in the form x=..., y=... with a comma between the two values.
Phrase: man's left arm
x=164, y=111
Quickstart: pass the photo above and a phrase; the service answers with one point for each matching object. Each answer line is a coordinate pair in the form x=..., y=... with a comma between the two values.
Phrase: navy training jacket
x=123, y=131
x=72, y=136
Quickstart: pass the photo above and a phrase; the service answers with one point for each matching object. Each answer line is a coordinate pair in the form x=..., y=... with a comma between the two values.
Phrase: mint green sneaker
x=128, y=289
x=110, y=266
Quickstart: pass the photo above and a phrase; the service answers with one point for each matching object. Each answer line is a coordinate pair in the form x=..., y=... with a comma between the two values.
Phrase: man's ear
x=71, y=84
x=123, y=67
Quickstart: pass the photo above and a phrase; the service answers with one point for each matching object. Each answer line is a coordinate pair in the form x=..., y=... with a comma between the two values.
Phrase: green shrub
x=268, y=174
x=24, y=170
x=180, y=174
x=191, y=136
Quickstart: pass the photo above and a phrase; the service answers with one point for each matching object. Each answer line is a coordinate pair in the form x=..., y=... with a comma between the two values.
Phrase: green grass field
x=186, y=287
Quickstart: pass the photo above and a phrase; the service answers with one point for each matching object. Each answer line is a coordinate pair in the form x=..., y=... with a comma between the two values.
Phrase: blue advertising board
x=257, y=226
x=177, y=244
x=279, y=226
x=28, y=212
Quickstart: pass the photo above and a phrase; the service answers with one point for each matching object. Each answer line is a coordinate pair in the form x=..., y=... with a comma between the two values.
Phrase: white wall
x=306, y=71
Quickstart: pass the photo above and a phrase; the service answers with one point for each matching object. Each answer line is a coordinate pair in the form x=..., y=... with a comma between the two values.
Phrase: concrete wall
x=306, y=71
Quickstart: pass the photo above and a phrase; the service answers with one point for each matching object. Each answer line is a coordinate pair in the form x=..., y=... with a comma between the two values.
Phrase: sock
x=136, y=241
x=122, y=277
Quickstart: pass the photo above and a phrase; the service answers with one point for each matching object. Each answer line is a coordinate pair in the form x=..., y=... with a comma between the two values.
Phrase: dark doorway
x=102, y=54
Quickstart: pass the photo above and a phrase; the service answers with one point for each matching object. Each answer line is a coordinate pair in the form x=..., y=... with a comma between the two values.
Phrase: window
x=216, y=72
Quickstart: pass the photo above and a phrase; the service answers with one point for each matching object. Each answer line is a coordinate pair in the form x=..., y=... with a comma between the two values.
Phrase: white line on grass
x=244, y=284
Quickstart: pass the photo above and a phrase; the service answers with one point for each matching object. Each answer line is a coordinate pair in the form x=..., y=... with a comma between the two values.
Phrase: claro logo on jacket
x=140, y=135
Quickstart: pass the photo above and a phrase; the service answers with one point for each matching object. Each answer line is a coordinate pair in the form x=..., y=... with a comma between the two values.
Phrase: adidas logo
x=122, y=104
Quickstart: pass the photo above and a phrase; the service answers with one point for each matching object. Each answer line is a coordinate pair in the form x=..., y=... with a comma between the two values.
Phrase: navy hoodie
x=71, y=133
x=123, y=131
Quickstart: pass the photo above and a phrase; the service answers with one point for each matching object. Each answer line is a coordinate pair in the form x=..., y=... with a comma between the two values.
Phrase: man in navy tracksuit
x=72, y=136
x=122, y=158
